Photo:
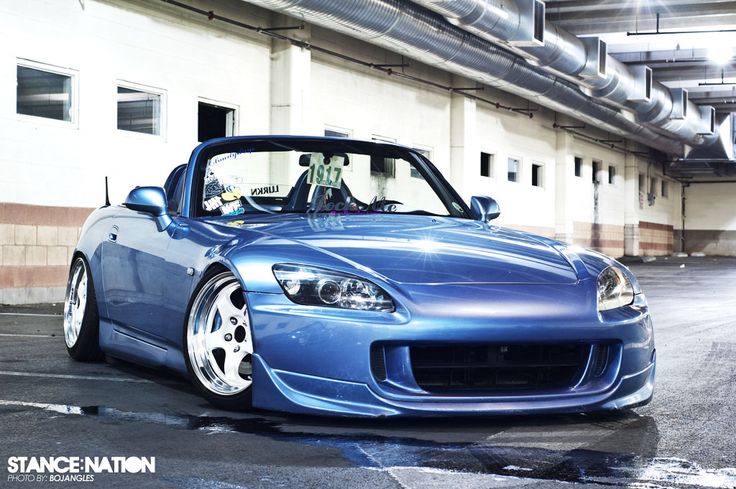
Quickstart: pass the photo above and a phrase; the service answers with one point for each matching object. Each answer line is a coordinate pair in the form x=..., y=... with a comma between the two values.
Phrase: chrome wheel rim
x=75, y=303
x=219, y=339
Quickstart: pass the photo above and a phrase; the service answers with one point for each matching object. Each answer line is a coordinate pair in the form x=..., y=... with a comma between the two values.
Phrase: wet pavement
x=52, y=406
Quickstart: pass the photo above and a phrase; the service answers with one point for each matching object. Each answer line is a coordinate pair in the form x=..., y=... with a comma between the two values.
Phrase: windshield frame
x=198, y=162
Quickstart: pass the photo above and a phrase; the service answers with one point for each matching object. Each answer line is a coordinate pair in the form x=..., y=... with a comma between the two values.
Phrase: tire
x=81, y=317
x=218, y=342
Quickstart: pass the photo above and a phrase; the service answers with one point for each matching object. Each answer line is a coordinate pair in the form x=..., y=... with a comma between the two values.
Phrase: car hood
x=419, y=249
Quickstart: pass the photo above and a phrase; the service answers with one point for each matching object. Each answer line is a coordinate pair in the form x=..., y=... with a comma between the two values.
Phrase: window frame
x=348, y=133
x=491, y=164
x=540, y=167
x=73, y=74
x=578, y=169
x=519, y=161
x=163, y=109
x=612, y=173
x=377, y=138
x=596, y=167
x=217, y=103
x=423, y=150
x=665, y=189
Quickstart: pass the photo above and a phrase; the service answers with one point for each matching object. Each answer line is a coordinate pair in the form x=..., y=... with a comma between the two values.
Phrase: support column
x=464, y=156
x=290, y=82
x=564, y=195
x=631, y=206
x=290, y=96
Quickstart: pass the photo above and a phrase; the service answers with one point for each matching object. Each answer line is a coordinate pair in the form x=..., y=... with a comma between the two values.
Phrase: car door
x=134, y=273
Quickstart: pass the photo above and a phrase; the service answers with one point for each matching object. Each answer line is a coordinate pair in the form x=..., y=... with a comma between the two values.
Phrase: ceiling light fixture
x=721, y=54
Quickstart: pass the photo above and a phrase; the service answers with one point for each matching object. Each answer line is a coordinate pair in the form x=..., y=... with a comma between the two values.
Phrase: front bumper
x=318, y=361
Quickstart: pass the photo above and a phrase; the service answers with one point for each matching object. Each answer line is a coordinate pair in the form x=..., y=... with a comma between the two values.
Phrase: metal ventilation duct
x=418, y=33
x=608, y=78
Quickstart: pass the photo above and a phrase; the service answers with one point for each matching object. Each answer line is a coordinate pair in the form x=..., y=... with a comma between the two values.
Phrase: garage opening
x=215, y=121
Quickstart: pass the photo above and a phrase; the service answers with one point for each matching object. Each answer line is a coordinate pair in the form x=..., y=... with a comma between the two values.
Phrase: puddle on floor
x=371, y=445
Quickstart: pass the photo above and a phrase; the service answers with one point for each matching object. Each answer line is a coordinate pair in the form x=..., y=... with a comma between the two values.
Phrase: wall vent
x=708, y=114
x=531, y=24
x=679, y=103
x=596, y=52
x=642, y=90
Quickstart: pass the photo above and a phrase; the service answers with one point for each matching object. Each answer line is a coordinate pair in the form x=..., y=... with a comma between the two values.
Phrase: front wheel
x=81, y=319
x=218, y=342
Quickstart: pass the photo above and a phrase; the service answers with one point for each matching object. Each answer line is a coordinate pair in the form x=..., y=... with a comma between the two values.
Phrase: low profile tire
x=81, y=318
x=218, y=342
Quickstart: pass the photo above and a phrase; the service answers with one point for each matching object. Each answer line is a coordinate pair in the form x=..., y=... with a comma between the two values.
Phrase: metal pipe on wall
x=418, y=33
x=499, y=21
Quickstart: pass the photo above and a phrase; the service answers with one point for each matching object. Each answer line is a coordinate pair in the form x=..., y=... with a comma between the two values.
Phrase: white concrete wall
x=610, y=196
x=532, y=141
x=711, y=206
x=368, y=104
x=710, y=218
x=54, y=163
x=666, y=210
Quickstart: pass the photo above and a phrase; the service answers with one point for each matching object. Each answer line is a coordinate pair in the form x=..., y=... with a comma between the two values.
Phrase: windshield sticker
x=215, y=160
x=271, y=189
x=233, y=208
x=212, y=187
x=213, y=204
x=325, y=171
x=231, y=193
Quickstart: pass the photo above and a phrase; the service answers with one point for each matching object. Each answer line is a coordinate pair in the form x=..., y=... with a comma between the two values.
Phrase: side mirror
x=151, y=200
x=484, y=208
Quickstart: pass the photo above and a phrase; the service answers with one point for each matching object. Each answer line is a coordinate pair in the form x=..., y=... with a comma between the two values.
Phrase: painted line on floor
x=75, y=377
x=19, y=335
x=31, y=314
x=57, y=408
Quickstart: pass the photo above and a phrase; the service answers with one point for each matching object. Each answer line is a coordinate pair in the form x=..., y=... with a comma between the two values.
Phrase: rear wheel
x=81, y=319
x=219, y=342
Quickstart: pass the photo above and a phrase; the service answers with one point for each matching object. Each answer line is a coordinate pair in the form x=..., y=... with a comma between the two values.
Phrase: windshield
x=316, y=176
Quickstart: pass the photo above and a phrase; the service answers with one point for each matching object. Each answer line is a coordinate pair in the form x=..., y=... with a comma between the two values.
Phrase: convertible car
x=344, y=277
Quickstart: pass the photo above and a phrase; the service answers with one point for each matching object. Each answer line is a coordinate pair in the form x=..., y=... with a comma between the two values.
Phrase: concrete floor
x=52, y=406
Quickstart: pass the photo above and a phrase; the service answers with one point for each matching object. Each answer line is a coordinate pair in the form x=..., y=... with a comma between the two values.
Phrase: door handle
x=112, y=236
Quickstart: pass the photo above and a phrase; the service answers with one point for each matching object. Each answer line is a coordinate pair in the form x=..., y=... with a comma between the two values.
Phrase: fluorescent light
x=721, y=54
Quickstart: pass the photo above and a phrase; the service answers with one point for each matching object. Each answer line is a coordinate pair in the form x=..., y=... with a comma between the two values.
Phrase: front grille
x=462, y=368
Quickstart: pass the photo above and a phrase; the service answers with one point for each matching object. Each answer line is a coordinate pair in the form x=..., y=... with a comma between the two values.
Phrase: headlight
x=319, y=287
x=614, y=289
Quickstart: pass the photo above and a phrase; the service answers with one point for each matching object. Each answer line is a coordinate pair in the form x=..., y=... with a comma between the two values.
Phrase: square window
x=513, y=169
x=336, y=134
x=214, y=121
x=665, y=189
x=383, y=166
x=578, y=166
x=537, y=175
x=596, y=171
x=42, y=93
x=486, y=165
x=413, y=172
x=139, y=111
x=611, y=174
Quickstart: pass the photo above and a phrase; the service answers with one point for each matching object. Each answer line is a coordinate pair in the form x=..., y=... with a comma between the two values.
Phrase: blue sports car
x=344, y=277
